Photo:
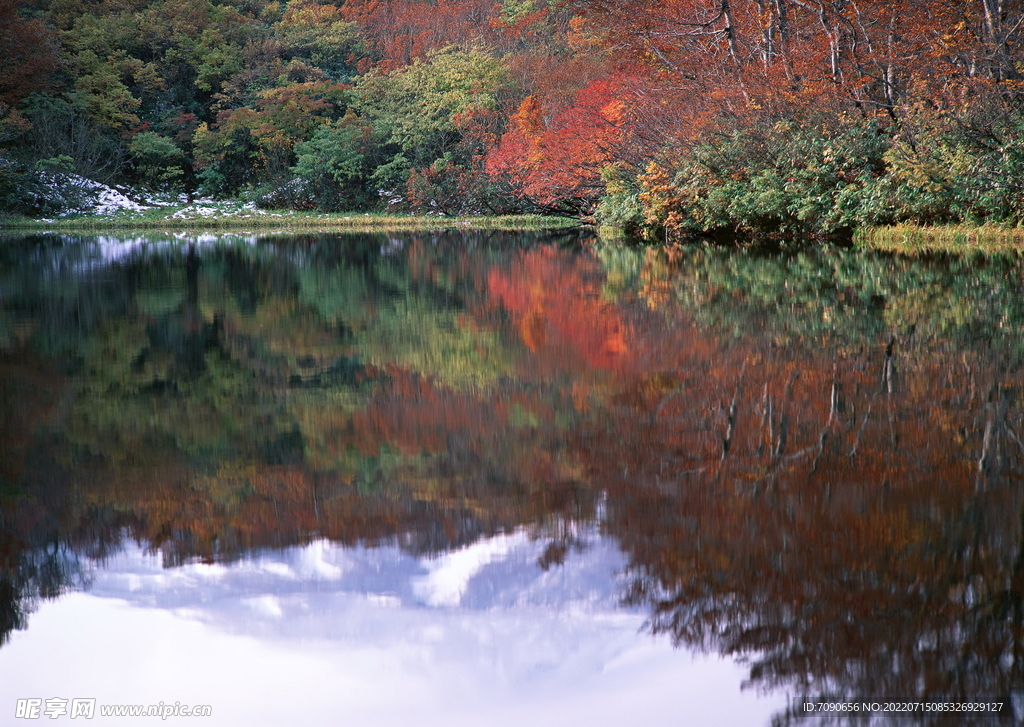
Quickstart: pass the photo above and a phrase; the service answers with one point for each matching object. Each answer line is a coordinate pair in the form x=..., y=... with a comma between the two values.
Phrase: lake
x=508, y=478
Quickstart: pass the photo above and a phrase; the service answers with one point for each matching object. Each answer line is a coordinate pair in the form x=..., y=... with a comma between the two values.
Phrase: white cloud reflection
x=329, y=635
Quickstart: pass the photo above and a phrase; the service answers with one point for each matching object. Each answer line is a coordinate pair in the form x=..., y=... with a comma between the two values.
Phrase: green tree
x=255, y=146
x=158, y=161
x=334, y=164
x=319, y=35
x=423, y=113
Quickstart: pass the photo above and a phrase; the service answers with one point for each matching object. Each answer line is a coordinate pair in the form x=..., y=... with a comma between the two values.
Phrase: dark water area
x=583, y=483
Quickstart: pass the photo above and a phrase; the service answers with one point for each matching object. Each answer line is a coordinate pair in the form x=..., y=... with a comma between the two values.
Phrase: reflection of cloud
x=324, y=634
x=496, y=572
x=450, y=574
x=312, y=562
x=264, y=606
x=487, y=608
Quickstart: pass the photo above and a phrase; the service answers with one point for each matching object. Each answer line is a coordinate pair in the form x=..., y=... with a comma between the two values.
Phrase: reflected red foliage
x=560, y=312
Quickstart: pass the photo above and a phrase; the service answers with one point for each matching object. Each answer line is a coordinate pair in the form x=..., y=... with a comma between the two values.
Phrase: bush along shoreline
x=835, y=181
x=843, y=178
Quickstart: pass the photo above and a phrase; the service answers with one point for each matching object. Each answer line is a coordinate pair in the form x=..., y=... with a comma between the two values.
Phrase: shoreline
x=903, y=239
x=915, y=240
x=226, y=217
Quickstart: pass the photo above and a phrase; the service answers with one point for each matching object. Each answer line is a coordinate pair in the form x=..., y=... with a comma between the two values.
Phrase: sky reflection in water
x=324, y=634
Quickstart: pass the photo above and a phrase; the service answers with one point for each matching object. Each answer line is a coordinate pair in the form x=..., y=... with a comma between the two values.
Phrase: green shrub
x=786, y=176
x=334, y=165
x=620, y=207
x=943, y=169
x=159, y=163
x=829, y=176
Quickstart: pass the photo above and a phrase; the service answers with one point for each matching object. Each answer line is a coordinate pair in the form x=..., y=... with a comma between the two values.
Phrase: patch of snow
x=88, y=195
x=110, y=200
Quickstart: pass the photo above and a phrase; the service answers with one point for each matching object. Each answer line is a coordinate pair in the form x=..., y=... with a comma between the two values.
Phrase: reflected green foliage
x=833, y=294
x=622, y=265
x=201, y=350
x=338, y=294
x=392, y=320
x=438, y=344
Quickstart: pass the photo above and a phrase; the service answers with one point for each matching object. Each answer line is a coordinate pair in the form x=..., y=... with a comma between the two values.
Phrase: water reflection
x=810, y=463
x=324, y=633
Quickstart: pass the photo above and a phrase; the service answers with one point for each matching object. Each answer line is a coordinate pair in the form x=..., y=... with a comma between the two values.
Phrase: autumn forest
x=794, y=457
x=683, y=116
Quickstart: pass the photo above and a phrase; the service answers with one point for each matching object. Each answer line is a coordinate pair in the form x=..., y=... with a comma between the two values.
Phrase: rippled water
x=493, y=478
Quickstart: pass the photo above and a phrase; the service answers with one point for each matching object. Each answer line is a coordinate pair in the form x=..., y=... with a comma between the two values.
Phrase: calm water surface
x=508, y=479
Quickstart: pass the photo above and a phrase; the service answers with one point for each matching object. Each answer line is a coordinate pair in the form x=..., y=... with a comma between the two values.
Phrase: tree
x=428, y=116
x=251, y=146
x=319, y=35
x=158, y=161
x=27, y=59
x=333, y=164
x=555, y=156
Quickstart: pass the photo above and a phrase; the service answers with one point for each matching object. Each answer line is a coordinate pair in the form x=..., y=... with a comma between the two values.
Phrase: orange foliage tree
x=553, y=151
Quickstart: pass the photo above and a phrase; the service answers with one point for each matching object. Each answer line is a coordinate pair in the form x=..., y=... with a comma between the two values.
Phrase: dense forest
x=801, y=116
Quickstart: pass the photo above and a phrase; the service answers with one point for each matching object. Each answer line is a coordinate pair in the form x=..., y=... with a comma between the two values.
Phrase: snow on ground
x=110, y=200
x=87, y=195
x=209, y=208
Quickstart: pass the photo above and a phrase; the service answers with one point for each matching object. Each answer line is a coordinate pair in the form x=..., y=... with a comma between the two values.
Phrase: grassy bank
x=954, y=239
x=235, y=216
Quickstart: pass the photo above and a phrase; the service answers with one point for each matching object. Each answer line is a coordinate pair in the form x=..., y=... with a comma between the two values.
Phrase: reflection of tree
x=856, y=535
x=31, y=577
x=833, y=293
x=556, y=304
x=212, y=400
